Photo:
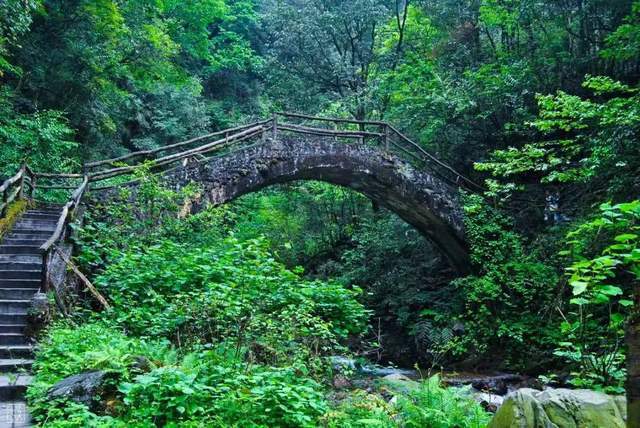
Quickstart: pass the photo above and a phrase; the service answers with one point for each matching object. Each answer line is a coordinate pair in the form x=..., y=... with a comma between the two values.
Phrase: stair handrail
x=66, y=216
x=166, y=160
x=384, y=136
x=147, y=153
x=25, y=177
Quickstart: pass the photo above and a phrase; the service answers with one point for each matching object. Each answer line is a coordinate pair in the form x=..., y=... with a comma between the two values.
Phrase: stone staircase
x=20, y=279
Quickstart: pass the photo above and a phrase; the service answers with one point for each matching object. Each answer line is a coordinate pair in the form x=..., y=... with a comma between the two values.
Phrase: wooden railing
x=59, y=234
x=388, y=138
x=379, y=133
x=13, y=189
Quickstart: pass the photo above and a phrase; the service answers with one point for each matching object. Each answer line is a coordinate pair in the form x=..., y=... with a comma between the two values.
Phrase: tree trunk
x=633, y=364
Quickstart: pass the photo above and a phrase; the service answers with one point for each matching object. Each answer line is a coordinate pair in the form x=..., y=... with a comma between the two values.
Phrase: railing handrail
x=6, y=185
x=173, y=146
x=232, y=136
x=102, y=175
x=22, y=179
x=67, y=212
x=332, y=119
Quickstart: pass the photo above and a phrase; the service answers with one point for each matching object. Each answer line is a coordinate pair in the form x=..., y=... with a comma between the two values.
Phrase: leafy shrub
x=428, y=404
x=504, y=303
x=67, y=350
x=604, y=267
x=431, y=405
x=361, y=410
x=229, y=290
x=42, y=139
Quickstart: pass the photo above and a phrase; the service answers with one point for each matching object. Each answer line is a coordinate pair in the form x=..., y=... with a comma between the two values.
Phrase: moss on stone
x=15, y=210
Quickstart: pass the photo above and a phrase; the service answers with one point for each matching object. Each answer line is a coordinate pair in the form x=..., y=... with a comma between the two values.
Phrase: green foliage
x=129, y=75
x=15, y=19
x=303, y=221
x=224, y=397
x=435, y=406
x=428, y=404
x=42, y=139
x=205, y=387
x=109, y=227
x=67, y=350
x=624, y=42
x=604, y=268
x=505, y=305
x=230, y=290
x=584, y=140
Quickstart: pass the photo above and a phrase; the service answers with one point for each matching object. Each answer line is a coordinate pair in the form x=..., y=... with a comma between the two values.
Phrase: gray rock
x=490, y=402
x=494, y=383
x=398, y=383
x=559, y=408
x=81, y=388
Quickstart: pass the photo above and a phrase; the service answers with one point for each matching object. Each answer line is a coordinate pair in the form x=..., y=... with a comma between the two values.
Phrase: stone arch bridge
x=419, y=197
x=371, y=157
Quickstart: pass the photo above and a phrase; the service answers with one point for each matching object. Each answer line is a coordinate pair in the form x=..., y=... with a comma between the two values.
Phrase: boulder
x=490, y=402
x=560, y=408
x=494, y=383
x=81, y=388
x=398, y=383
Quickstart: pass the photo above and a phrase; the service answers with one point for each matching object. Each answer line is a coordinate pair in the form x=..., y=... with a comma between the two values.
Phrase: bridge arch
x=420, y=198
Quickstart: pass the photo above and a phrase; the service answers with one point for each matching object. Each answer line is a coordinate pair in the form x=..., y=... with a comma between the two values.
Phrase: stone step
x=7, y=265
x=12, y=328
x=45, y=210
x=31, y=230
x=14, y=364
x=14, y=414
x=20, y=249
x=16, y=351
x=24, y=258
x=34, y=234
x=17, y=293
x=14, y=306
x=35, y=225
x=49, y=206
x=13, y=387
x=33, y=284
x=41, y=215
x=20, y=274
x=13, y=339
x=13, y=319
x=33, y=242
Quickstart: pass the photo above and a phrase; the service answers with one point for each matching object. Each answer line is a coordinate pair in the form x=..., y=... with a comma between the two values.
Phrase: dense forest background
x=538, y=100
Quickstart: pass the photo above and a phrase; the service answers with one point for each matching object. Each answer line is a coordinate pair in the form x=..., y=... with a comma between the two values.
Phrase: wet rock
x=344, y=364
x=81, y=388
x=398, y=383
x=490, y=402
x=495, y=384
x=39, y=314
x=341, y=382
x=560, y=408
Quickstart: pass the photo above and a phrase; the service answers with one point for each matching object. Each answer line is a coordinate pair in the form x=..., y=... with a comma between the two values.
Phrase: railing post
x=32, y=190
x=45, y=272
x=5, y=198
x=275, y=126
x=386, y=137
x=23, y=169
